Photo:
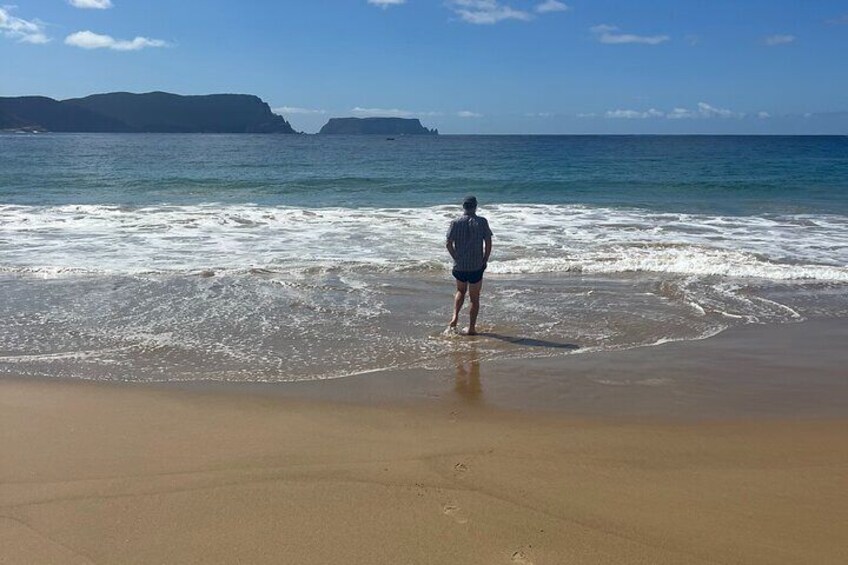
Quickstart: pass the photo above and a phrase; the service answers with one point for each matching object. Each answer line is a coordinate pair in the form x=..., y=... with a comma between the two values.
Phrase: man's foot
x=470, y=331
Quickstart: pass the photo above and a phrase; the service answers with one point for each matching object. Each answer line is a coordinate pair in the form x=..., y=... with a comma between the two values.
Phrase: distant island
x=153, y=112
x=376, y=126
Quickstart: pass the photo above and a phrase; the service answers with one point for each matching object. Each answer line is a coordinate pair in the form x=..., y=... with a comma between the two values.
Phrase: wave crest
x=209, y=238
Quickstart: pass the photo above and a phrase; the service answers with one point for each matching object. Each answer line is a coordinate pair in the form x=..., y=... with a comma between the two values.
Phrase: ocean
x=148, y=257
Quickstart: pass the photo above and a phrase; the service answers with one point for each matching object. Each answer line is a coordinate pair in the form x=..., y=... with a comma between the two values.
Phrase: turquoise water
x=278, y=258
x=728, y=175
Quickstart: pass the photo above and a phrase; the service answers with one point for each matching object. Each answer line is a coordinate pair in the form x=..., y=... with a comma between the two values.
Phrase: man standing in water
x=469, y=242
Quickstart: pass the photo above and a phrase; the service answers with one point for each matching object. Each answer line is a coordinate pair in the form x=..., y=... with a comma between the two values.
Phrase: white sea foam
x=51, y=241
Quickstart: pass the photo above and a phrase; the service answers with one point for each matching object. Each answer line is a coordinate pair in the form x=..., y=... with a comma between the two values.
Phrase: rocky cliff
x=158, y=112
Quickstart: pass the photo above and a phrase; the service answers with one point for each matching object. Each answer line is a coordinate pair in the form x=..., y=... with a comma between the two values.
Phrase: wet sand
x=728, y=450
x=757, y=371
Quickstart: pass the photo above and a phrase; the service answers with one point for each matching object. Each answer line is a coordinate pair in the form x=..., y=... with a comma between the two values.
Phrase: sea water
x=277, y=258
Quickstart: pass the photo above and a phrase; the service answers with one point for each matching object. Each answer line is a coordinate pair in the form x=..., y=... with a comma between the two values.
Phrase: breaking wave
x=54, y=241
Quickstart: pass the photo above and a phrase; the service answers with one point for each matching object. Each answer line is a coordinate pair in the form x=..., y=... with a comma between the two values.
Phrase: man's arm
x=450, y=242
x=451, y=247
x=487, y=249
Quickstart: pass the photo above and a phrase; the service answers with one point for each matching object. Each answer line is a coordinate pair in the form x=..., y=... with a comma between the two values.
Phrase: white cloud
x=707, y=111
x=392, y=112
x=538, y=114
x=91, y=40
x=680, y=114
x=773, y=40
x=386, y=3
x=484, y=12
x=840, y=20
x=703, y=110
x=551, y=6
x=468, y=114
x=763, y=115
x=609, y=34
x=282, y=110
x=634, y=114
x=91, y=4
x=24, y=31
x=587, y=115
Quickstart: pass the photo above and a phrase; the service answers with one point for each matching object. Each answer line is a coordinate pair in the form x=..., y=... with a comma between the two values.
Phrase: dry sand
x=93, y=473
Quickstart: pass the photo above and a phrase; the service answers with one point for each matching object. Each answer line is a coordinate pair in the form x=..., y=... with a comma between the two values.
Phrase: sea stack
x=376, y=126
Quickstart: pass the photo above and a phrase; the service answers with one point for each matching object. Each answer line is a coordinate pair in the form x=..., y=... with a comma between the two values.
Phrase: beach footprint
x=521, y=558
x=455, y=512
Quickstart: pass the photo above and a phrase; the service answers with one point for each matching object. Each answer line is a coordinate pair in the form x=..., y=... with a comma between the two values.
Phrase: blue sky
x=464, y=66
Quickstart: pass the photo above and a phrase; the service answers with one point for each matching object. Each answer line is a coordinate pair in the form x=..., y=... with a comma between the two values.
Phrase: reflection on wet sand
x=467, y=383
x=467, y=362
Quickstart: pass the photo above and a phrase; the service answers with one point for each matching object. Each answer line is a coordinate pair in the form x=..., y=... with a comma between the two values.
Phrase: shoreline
x=686, y=380
x=744, y=372
x=538, y=464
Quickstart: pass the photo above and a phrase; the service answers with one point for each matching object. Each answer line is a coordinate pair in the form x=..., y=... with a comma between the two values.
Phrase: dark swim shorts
x=470, y=277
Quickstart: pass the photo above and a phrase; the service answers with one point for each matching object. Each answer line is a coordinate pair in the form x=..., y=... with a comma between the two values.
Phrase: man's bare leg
x=474, y=294
x=458, y=300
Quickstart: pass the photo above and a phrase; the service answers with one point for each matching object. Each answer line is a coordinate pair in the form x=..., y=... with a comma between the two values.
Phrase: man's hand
x=487, y=250
x=451, y=248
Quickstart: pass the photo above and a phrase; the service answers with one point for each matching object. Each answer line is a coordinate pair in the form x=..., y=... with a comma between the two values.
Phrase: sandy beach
x=400, y=282
x=96, y=473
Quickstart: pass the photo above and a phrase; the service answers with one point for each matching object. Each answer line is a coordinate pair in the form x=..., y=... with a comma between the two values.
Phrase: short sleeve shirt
x=468, y=232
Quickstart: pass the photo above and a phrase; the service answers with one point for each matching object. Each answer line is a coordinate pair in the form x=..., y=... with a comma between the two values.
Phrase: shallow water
x=149, y=257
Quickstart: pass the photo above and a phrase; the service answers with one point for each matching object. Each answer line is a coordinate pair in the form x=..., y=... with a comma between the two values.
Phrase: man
x=469, y=242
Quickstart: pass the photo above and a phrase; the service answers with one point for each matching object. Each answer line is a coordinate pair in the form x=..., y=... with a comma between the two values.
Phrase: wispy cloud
x=91, y=40
x=634, y=114
x=386, y=3
x=707, y=111
x=610, y=34
x=680, y=114
x=21, y=30
x=283, y=110
x=702, y=111
x=468, y=114
x=389, y=112
x=486, y=12
x=779, y=39
x=91, y=4
x=551, y=6
x=837, y=21
x=393, y=113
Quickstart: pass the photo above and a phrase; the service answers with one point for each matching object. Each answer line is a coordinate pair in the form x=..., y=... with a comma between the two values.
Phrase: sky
x=463, y=66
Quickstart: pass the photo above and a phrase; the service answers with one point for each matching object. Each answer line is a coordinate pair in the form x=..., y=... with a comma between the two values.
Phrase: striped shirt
x=468, y=232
